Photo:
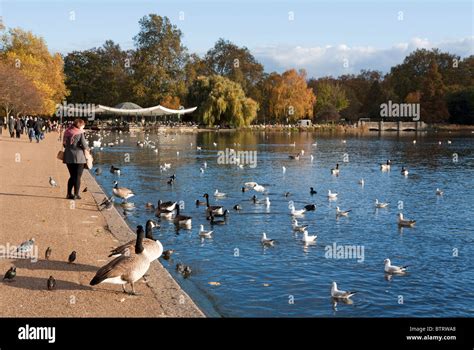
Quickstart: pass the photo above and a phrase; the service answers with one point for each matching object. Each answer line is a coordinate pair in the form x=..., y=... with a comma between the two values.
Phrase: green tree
x=461, y=106
x=159, y=61
x=330, y=99
x=235, y=63
x=433, y=104
x=221, y=101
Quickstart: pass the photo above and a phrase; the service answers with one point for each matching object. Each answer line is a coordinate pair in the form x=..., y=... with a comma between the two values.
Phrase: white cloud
x=330, y=59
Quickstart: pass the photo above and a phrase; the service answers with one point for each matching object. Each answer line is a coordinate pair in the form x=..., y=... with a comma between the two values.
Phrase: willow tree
x=221, y=101
x=29, y=54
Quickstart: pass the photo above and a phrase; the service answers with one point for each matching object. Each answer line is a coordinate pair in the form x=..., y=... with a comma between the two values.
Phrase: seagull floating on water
x=380, y=204
x=332, y=195
x=439, y=192
x=405, y=222
x=340, y=212
x=392, y=269
x=297, y=227
x=340, y=294
x=307, y=238
x=266, y=241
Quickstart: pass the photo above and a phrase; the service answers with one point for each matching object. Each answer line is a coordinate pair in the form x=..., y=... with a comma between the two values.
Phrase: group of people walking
x=34, y=127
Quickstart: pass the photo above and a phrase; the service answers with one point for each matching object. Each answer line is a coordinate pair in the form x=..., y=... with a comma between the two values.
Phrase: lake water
x=291, y=279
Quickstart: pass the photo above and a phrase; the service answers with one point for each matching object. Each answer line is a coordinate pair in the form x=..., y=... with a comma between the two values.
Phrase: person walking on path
x=74, y=144
x=18, y=127
x=31, y=129
x=37, y=127
x=11, y=126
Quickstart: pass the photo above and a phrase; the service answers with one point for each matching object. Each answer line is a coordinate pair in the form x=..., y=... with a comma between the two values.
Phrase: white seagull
x=297, y=227
x=203, y=233
x=266, y=241
x=219, y=194
x=392, y=269
x=405, y=222
x=332, y=195
x=307, y=238
x=340, y=294
x=295, y=212
x=380, y=204
x=340, y=212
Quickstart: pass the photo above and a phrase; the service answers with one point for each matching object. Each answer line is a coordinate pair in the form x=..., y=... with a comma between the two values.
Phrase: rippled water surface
x=291, y=279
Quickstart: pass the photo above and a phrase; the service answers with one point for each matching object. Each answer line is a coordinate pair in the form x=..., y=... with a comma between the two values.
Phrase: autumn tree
x=221, y=101
x=30, y=54
x=18, y=94
x=287, y=96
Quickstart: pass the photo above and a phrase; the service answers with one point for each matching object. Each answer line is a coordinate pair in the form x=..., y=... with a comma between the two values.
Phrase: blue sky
x=324, y=37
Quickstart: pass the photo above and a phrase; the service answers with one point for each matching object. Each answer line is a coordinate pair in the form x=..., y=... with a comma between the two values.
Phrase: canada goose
x=198, y=203
x=182, y=220
x=392, y=269
x=203, y=233
x=98, y=171
x=164, y=213
x=340, y=212
x=173, y=177
x=362, y=182
x=216, y=222
x=307, y=238
x=386, y=166
x=332, y=195
x=125, y=269
x=404, y=171
x=52, y=182
x=380, y=204
x=167, y=205
x=258, y=188
x=10, y=274
x=214, y=209
x=122, y=192
x=72, y=257
x=340, y=294
x=297, y=227
x=287, y=194
x=152, y=248
x=219, y=194
x=237, y=207
x=295, y=212
x=312, y=191
x=335, y=171
x=310, y=207
x=266, y=241
x=295, y=157
x=405, y=222
x=114, y=170
x=439, y=192
x=244, y=189
x=170, y=182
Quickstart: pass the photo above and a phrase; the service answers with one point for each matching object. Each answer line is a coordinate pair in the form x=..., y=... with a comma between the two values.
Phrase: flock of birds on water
x=132, y=260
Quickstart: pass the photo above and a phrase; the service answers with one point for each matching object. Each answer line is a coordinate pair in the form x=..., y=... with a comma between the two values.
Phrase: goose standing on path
x=152, y=248
x=182, y=220
x=122, y=192
x=267, y=241
x=340, y=294
x=335, y=171
x=380, y=204
x=125, y=269
x=392, y=269
x=405, y=222
x=214, y=209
